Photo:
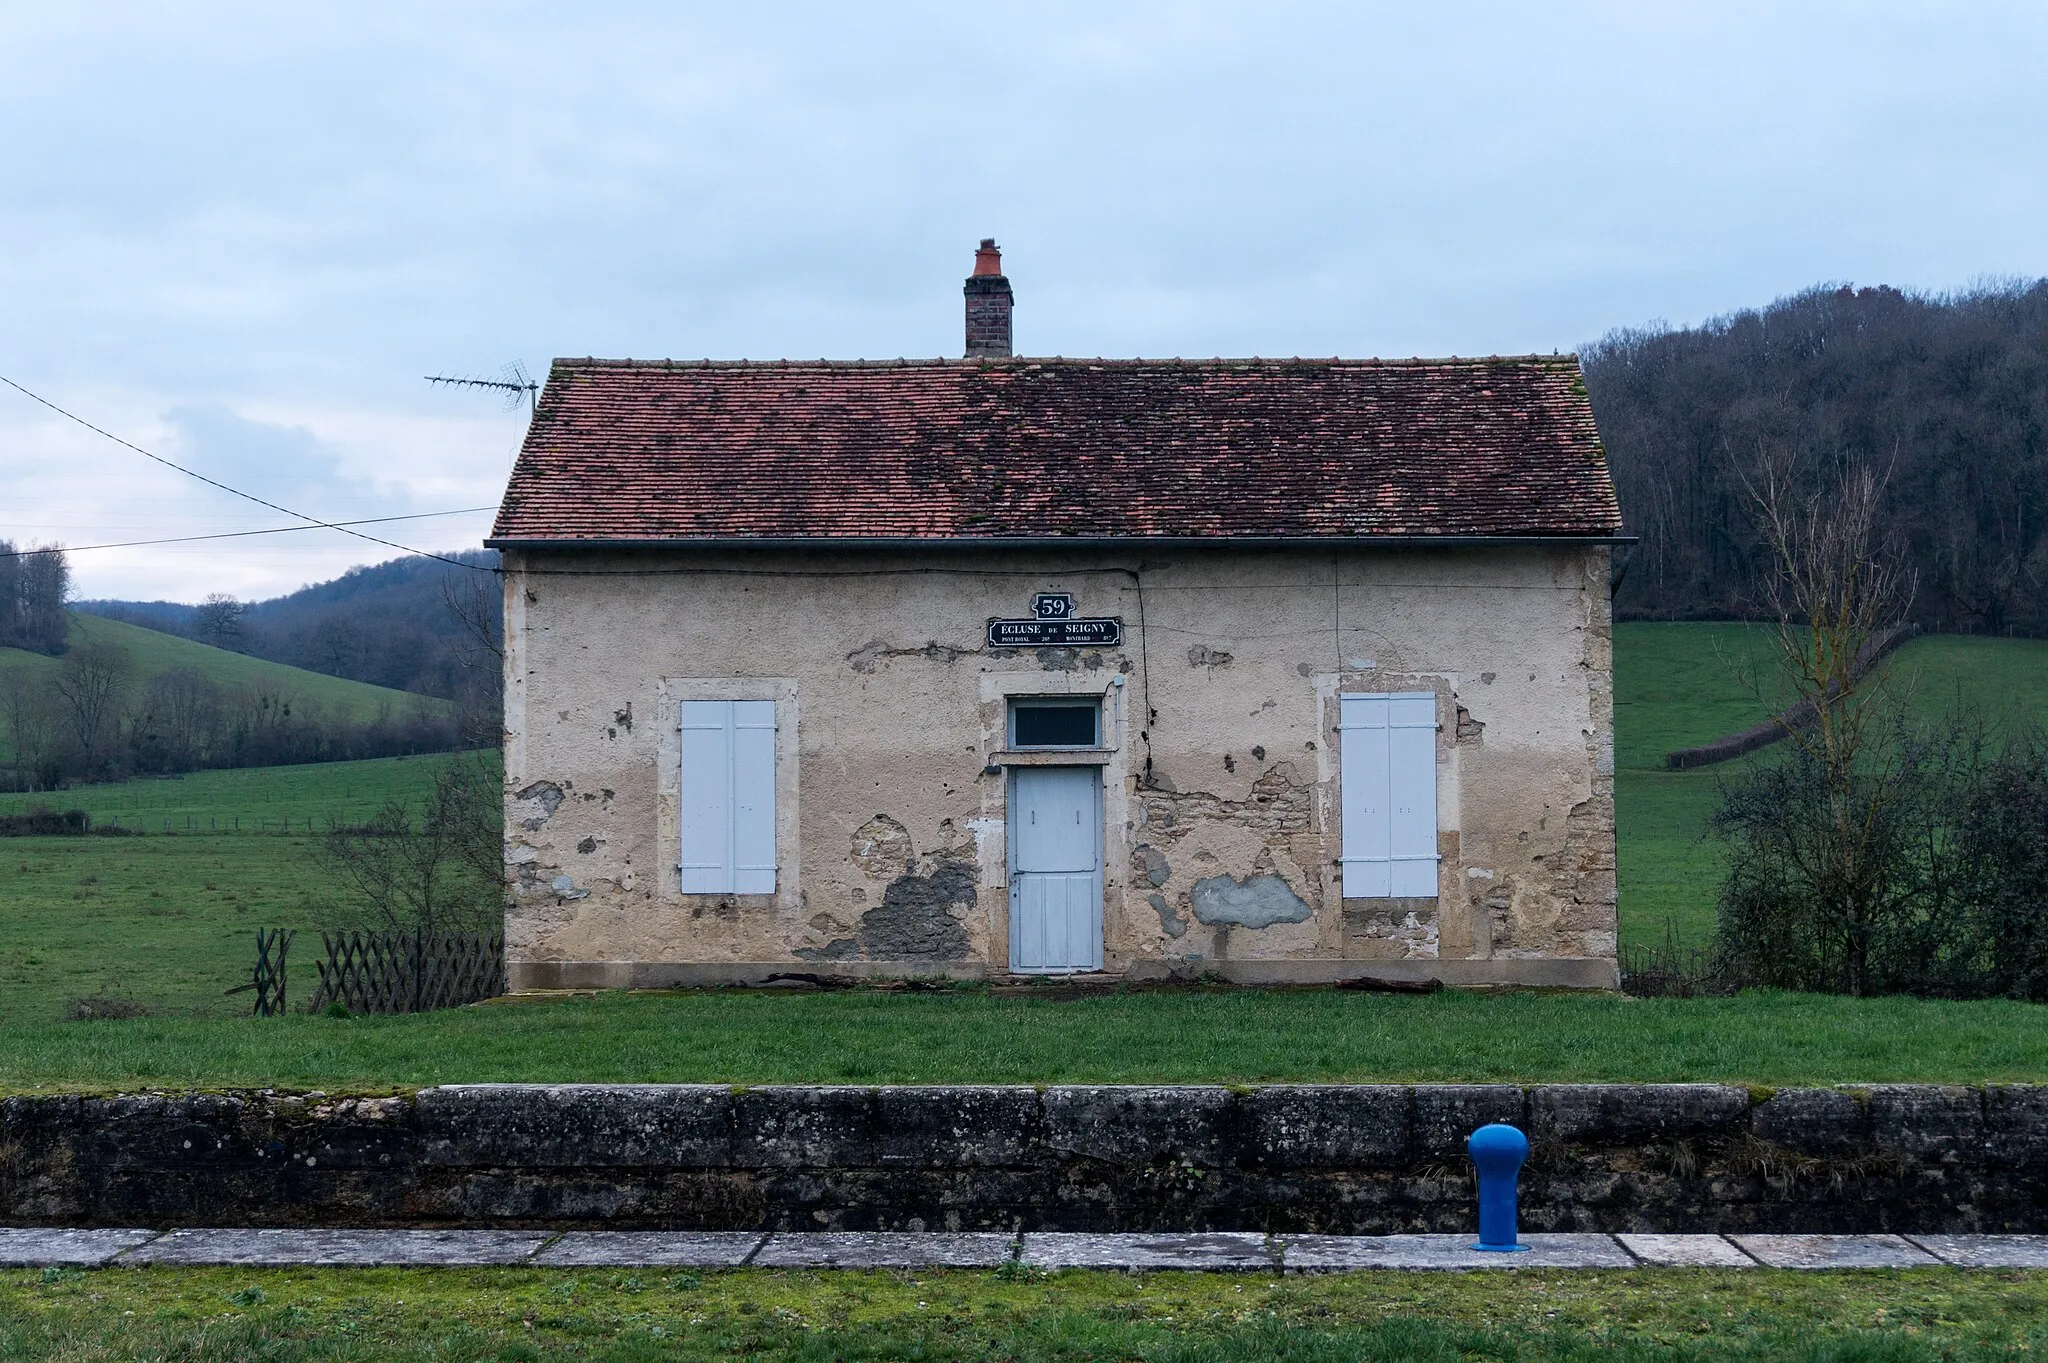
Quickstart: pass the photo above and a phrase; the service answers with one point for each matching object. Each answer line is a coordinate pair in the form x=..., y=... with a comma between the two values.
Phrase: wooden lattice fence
x=409, y=972
x=268, y=979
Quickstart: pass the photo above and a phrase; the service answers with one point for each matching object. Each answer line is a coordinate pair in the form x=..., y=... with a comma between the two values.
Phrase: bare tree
x=437, y=866
x=91, y=683
x=180, y=718
x=476, y=601
x=1827, y=842
x=219, y=620
x=1833, y=591
x=25, y=710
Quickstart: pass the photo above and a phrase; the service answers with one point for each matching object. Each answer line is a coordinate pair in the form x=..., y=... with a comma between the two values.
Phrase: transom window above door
x=1055, y=724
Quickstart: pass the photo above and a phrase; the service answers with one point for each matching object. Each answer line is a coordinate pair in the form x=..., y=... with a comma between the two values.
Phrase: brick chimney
x=988, y=305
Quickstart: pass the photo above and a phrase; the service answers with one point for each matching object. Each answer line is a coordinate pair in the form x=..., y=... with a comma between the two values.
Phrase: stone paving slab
x=60, y=1247
x=887, y=1249
x=1987, y=1251
x=1834, y=1251
x=34, y=1247
x=1198, y=1252
x=1346, y=1253
x=345, y=1248
x=651, y=1249
x=1685, y=1251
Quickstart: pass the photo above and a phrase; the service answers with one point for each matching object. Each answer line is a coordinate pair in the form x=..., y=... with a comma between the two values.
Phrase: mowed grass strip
x=456, y=1316
x=972, y=1036
x=248, y=799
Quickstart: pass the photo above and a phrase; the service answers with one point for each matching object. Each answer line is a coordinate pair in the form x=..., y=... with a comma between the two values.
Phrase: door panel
x=1056, y=870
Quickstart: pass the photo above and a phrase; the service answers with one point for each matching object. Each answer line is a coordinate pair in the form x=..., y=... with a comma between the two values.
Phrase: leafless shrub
x=434, y=864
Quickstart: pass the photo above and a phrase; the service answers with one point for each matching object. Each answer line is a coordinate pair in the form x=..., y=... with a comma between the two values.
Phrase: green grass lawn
x=542, y=1315
x=975, y=1036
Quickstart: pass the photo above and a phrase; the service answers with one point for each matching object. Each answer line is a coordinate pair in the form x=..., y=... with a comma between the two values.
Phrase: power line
x=312, y=522
x=237, y=534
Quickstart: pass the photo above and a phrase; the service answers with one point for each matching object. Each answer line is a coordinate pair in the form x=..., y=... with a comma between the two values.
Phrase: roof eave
x=1066, y=541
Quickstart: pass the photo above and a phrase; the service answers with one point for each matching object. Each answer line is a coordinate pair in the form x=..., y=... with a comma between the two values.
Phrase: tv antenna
x=517, y=385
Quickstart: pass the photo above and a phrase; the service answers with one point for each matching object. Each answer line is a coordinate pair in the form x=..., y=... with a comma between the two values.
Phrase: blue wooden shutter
x=728, y=797
x=1411, y=769
x=1386, y=776
x=753, y=796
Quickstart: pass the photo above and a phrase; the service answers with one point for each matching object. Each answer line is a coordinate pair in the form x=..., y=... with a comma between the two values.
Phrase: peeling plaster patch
x=1169, y=921
x=839, y=949
x=542, y=799
x=881, y=848
x=874, y=652
x=1157, y=869
x=1486, y=678
x=587, y=846
x=565, y=886
x=1059, y=659
x=521, y=855
x=954, y=844
x=915, y=920
x=1201, y=655
x=1391, y=930
x=1258, y=902
x=1470, y=730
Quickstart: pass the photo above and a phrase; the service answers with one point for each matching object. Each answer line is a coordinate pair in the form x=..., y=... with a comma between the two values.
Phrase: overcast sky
x=239, y=235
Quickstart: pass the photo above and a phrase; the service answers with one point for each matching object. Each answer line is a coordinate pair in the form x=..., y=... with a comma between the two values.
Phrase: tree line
x=1944, y=397
x=96, y=719
x=33, y=585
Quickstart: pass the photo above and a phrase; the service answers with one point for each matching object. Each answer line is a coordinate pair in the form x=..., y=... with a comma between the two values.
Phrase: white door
x=1055, y=869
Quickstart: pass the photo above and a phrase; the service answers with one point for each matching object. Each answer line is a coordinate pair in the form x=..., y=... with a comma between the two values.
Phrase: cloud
x=271, y=222
x=285, y=465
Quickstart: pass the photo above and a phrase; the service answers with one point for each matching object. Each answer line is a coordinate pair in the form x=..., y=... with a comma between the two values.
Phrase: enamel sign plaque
x=1053, y=623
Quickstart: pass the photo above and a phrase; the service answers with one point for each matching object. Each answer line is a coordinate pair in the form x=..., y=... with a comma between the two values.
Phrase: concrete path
x=1228, y=1251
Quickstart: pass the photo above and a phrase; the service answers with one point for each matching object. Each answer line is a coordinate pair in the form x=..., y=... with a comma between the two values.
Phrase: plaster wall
x=1219, y=759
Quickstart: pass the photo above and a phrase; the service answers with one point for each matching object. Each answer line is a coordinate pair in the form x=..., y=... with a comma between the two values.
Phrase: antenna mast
x=517, y=385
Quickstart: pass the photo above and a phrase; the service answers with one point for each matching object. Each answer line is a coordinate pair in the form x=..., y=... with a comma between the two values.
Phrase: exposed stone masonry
x=1350, y=1159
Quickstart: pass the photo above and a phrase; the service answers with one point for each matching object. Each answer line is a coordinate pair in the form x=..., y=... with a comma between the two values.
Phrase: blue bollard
x=1497, y=1153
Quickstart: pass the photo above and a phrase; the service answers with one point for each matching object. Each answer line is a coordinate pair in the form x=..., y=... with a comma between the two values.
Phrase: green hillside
x=152, y=652
x=1676, y=685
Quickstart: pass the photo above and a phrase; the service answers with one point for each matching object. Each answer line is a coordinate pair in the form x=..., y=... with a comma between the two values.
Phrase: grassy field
x=151, y=651
x=1676, y=685
x=170, y=921
x=975, y=1036
x=541, y=1316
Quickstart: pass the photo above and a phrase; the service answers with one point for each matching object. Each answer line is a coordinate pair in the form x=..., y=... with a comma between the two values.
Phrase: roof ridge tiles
x=1028, y=361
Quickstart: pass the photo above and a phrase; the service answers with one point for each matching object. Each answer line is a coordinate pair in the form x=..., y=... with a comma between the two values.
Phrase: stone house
x=1278, y=670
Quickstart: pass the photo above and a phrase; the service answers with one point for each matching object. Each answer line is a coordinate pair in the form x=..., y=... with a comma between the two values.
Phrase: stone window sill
x=1052, y=757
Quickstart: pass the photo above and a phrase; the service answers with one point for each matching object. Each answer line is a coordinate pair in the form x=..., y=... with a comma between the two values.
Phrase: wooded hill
x=390, y=625
x=1950, y=393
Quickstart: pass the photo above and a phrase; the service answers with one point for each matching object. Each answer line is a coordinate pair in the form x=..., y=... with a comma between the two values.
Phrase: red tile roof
x=623, y=450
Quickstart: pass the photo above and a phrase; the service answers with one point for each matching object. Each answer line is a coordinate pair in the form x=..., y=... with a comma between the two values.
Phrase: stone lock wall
x=1330, y=1158
x=1221, y=815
